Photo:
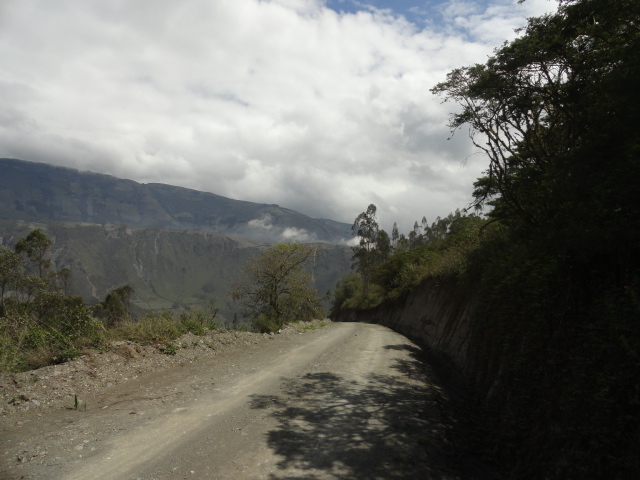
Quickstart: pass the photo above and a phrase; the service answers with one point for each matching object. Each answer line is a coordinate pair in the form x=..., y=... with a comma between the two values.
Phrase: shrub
x=265, y=324
x=199, y=322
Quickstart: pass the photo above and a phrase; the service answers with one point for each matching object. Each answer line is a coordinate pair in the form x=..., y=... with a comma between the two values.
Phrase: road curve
x=348, y=401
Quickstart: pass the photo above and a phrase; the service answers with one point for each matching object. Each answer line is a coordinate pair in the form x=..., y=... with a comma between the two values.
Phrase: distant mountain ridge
x=39, y=192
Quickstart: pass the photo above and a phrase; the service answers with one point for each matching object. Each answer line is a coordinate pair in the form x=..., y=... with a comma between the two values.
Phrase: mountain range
x=39, y=192
x=176, y=247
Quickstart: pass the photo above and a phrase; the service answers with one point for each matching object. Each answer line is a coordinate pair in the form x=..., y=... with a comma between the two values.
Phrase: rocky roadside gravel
x=58, y=386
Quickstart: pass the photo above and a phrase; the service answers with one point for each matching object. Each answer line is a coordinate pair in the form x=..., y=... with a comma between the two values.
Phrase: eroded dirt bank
x=345, y=401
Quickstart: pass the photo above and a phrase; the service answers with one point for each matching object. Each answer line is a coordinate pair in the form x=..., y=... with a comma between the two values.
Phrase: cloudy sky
x=322, y=106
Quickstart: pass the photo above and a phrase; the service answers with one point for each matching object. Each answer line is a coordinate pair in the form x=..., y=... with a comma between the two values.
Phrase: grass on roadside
x=28, y=343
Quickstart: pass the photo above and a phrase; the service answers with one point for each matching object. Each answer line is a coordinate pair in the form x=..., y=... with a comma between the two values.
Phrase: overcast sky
x=320, y=106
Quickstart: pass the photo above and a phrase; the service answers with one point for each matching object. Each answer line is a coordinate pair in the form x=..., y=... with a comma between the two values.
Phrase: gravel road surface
x=347, y=401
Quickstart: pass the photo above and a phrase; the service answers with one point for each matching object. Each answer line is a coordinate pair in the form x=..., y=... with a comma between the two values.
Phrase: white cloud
x=263, y=229
x=281, y=101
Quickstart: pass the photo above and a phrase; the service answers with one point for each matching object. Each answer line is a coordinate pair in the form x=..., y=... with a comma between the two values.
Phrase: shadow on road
x=383, y=427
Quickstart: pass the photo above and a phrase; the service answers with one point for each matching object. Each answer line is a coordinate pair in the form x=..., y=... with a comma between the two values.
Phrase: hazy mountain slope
x=167, y=268
x=38, y=192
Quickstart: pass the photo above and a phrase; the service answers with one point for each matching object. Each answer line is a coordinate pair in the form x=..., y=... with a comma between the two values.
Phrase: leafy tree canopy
x=555, y=112
x=276, y=288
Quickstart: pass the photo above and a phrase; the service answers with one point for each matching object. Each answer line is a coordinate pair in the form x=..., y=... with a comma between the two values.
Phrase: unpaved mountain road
x=348, y=401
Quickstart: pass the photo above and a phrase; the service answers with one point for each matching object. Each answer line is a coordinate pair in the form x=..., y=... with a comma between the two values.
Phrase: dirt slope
x=347, y=401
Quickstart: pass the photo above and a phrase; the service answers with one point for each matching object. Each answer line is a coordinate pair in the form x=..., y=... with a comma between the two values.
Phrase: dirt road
x=348, y=401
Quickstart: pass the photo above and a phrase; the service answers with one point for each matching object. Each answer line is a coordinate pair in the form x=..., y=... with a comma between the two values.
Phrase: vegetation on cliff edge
x=42, y=324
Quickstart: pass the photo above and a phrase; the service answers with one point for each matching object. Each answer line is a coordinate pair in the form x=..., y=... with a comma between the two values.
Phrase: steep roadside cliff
x=435, y=315
x=552, y=369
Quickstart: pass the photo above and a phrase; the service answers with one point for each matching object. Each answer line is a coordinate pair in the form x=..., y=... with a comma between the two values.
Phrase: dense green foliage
x=554, y=111
x=39, y=322
x=116, y=305
x=276, y=288
x=556, y=341
x=389, y=270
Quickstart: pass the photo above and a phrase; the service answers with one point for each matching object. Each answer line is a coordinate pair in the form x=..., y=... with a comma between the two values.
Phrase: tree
x=403, y=244
x=555, y=112
x=383, y=247
x=10, y=272
x=116, y=305
x=395, y=236
x=276, y=288
x=424, y=224
x=415, y=237
x=35, y=246
x=366, y=228
x=63, y=279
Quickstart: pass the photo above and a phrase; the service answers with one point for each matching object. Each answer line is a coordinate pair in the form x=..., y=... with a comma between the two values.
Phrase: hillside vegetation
x=168, y=269
x=555, y=264
x=42, y=323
